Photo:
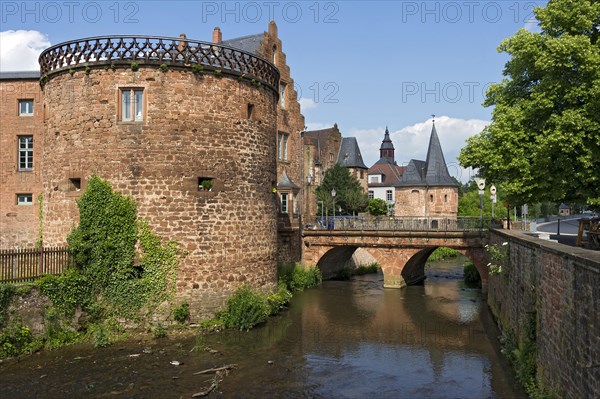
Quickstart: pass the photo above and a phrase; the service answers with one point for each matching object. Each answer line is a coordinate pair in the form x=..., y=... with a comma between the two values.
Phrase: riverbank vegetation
x=247, y=308
x=346, y=273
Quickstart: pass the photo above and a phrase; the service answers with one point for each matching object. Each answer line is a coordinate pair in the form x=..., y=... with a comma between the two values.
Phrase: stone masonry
x=558, y=289
x=194, y=127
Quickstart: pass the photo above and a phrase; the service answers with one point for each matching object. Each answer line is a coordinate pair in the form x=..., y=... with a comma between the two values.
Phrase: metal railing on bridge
x=405, y=223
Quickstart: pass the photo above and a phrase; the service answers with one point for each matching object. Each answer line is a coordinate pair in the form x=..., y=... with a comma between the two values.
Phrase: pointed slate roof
x=433, y=171
x=386, y=151
x=349, y=154
x=285, y=183
x=386, y=144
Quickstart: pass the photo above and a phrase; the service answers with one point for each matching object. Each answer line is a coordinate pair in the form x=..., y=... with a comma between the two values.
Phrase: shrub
x=245, y=309
x=278, y=300
x=377, y=207
x=100, y=335
x=182, y=313
x=159, y=331
x=371, y=268
x=56, y=334
x=344, y=274
x=66, y=291
x=7, y=291
x=442, y=253
x=471, y=275
x=305, y=278
x=16, y=339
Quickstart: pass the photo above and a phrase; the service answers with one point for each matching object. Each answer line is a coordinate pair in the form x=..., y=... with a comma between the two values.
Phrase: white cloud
x=20, y=49
x=532, y=25
x=411, y=142
x=306, y=104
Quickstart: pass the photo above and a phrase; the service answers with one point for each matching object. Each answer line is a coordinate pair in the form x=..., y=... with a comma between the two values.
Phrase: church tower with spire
x=386, y=151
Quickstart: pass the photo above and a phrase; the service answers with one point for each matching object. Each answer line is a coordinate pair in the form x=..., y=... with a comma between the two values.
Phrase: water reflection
x=344, y=340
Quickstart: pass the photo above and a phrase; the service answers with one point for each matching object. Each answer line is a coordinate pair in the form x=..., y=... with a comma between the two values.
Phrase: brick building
x=426, y=188
x=21, y=148
x=323, y=149
x=385, y=174
x=157, y=118
x=419, y=189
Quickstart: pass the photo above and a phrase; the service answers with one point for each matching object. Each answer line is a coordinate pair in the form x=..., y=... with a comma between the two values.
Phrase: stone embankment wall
x=557, y=288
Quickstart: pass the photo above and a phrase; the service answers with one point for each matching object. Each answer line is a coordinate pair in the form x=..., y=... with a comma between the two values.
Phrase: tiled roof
x=392, y=173
x=349, y=155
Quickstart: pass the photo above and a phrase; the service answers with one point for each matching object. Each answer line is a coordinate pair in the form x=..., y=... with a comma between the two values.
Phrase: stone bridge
x=401, y=254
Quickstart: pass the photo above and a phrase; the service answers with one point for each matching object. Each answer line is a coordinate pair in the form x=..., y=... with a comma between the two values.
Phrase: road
x=567, y=226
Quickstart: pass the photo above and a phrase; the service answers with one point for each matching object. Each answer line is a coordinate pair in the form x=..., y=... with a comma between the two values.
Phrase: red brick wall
x=194, y=127
x=19, y=223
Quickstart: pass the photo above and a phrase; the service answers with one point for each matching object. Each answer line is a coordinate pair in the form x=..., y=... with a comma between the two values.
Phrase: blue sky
x=360, y=64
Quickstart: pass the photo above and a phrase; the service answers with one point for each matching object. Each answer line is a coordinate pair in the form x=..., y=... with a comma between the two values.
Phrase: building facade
x=21, y=149
x=419, y=189
x=199, y=134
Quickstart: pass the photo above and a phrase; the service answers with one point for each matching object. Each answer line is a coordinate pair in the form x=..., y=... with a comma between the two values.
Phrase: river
x=345, y=339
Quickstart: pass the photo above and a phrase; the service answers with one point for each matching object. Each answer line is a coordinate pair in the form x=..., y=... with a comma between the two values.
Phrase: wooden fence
x=20, y=265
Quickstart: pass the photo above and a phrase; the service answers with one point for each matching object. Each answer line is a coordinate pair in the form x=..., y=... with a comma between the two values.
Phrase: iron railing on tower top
x=110, y=51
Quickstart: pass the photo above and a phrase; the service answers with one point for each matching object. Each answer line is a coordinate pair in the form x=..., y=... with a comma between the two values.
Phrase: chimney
x=182, y=44
x=217, y=35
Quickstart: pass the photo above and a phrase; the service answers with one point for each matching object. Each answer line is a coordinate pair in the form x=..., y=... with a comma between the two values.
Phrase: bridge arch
x=402, y=255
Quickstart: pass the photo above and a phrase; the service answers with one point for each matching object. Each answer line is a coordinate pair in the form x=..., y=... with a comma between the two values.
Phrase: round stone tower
x=186, y=129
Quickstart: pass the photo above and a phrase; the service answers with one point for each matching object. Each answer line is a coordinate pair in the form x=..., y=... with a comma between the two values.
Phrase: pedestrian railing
x=460, y=223
x=21, y=265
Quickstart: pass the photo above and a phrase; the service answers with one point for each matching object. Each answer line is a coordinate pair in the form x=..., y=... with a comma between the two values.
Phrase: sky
x=364, y=65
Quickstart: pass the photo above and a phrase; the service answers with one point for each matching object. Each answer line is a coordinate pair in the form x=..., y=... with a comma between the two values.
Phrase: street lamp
x=333, y=196
x=481, y=185
x=493, y=198
x=322, y=219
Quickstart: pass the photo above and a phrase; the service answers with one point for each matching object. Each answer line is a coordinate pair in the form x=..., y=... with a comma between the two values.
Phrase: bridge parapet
x=407, y=223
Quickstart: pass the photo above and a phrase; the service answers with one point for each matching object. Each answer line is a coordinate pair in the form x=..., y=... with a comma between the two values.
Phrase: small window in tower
x=430, y=197
x=250, y=111
x=205, y=184
x=445, y=197
x=282, y=95
x=362, y=174
x=75, y=184
x=131, y=105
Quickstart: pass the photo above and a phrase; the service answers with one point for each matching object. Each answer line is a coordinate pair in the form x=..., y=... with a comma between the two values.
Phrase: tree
x=544, y=140
x=377, y=207
x=350, y=196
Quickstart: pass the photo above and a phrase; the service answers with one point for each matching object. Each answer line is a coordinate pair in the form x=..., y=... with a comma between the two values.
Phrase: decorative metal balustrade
x=408, y=223
x=156, y=50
